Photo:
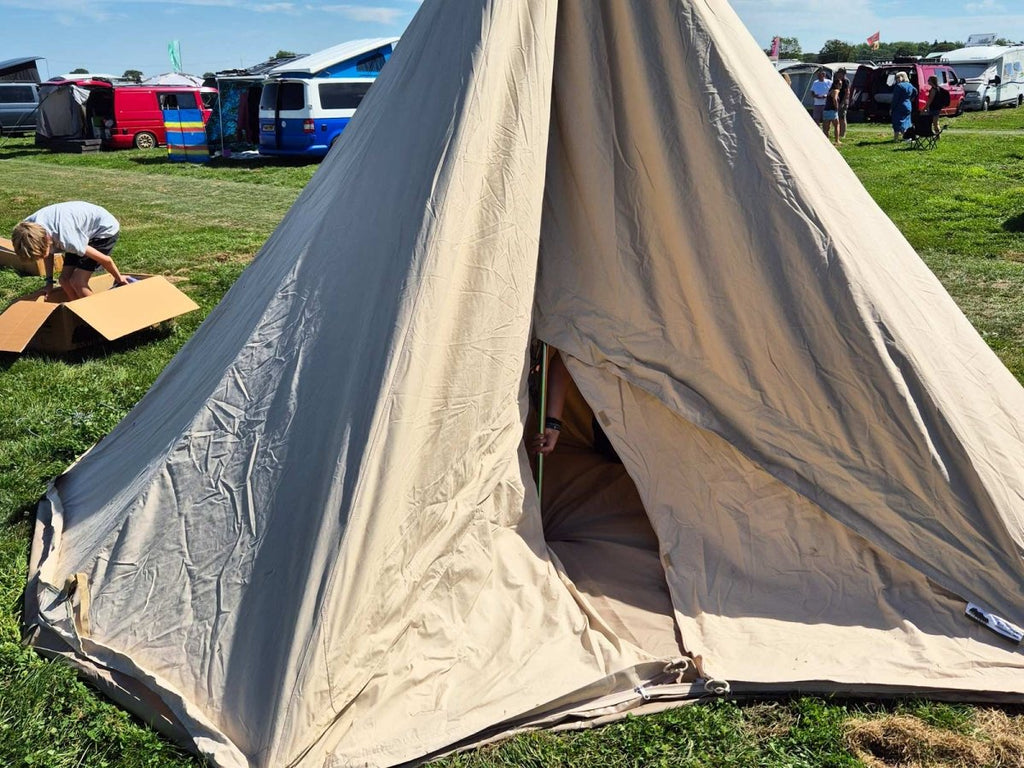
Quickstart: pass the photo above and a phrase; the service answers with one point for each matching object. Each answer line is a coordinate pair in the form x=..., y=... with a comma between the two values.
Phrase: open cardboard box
x=54, y=324
x=34, y=267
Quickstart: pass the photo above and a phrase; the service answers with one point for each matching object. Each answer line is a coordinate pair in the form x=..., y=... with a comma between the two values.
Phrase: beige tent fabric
x=324, y=547
x=768, y=588
x=322, y=543
x=769, y=299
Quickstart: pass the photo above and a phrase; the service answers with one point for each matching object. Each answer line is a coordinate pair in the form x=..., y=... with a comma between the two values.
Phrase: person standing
x=85, y=232
x=820, y=88
x=938, y=100
x=902, y=107
x=830, y=117
x=845, y=88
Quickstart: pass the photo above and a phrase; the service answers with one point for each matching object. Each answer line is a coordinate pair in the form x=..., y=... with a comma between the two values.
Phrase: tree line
x=838, y=50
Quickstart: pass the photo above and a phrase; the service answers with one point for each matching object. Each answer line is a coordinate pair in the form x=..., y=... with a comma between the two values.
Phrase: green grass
x=961, y=206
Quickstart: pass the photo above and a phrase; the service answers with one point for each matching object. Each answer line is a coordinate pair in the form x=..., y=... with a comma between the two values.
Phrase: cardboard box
x=8, y=258
x=54, y=324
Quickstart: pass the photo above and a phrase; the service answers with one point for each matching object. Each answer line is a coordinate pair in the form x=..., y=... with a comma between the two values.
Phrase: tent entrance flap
x=596, y=524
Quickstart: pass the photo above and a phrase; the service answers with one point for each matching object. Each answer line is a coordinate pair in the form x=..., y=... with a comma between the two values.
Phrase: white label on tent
x=997, y=624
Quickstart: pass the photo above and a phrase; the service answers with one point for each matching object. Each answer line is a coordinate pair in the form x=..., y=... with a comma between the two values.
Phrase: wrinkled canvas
x=324, y=547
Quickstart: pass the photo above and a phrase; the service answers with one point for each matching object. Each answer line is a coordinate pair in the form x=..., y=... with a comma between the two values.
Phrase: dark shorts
x=102, y=244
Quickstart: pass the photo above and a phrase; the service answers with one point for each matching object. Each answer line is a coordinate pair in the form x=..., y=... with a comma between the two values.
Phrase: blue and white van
x=306, y=103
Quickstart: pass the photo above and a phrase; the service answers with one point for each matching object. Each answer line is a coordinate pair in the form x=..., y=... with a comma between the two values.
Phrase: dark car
x=18, y=104
x=875, y=98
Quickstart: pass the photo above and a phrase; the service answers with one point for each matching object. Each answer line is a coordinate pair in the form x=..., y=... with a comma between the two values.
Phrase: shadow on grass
x=160, y=158
x=10, y=154
x=1014, y=223
x=98, y=349
x=20, y=514
x=874, y=143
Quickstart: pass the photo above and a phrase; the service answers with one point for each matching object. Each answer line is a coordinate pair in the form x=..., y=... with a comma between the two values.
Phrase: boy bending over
x=85, y=232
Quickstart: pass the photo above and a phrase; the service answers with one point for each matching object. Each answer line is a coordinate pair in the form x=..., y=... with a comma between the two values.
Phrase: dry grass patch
x=904, y=741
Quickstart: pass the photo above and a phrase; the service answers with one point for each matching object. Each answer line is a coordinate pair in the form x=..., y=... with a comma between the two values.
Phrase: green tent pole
x=543, y=412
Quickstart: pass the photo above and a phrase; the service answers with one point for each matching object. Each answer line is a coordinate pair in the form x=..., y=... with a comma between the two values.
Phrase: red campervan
x=135, y=117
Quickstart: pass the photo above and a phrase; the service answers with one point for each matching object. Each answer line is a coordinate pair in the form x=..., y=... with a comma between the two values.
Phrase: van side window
x=183, y=100
x=342, y=95
x=17, y=94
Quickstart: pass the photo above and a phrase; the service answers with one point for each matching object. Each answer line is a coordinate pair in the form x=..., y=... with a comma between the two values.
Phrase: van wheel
x=145, y=140
x=1019, y=101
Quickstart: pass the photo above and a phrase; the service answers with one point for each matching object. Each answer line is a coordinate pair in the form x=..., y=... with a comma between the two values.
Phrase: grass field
x=961, y=206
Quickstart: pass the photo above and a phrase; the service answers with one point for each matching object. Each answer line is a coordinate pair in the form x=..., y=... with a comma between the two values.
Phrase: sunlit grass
x=961, y=206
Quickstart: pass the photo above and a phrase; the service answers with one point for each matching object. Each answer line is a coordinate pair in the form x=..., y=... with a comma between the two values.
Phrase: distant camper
x=306, y=103
x=993, y=74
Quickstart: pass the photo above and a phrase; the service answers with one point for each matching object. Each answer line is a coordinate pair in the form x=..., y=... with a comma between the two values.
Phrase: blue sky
x=111, y=36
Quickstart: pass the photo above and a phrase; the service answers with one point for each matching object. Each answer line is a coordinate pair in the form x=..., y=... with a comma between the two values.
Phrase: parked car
x=875, y=99
x=18, y=105
x=135, y=117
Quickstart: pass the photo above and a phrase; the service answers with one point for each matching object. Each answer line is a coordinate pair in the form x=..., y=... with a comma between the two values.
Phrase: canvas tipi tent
x=324, y=547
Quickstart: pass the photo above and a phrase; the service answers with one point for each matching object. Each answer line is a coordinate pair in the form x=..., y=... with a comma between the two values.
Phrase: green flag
x=174, y=51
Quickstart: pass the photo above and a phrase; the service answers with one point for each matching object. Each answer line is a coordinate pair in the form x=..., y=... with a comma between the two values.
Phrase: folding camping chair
x=920, y=134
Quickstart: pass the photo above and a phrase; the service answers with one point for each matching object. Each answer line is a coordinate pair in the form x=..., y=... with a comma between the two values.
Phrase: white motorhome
x=994, y=75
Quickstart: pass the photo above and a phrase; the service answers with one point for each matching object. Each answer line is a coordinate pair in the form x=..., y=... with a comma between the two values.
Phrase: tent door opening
x=596, y=525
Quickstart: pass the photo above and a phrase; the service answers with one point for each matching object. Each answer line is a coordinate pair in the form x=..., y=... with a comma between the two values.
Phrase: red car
x=875, y=96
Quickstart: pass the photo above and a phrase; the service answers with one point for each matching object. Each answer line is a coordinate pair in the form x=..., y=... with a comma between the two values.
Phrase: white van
x=994, y=75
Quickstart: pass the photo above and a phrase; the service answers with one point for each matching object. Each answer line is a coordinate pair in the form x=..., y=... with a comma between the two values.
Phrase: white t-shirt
x=72, y=225
x=820, y=89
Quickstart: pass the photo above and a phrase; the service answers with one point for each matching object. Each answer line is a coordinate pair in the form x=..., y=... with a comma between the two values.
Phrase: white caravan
x=994, y=75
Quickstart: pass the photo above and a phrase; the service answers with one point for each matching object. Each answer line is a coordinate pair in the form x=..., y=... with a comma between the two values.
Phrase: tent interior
x=596, y=525
x=74, y=110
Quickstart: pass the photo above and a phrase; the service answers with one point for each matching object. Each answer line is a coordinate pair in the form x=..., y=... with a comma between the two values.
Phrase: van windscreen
x=342, y=95
x=293, y=96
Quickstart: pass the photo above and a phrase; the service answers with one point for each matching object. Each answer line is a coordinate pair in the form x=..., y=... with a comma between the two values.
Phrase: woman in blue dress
x=903, y=95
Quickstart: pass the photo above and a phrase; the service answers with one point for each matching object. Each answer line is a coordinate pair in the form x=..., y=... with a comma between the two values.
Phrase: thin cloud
x=989, y=6
x=377, y=15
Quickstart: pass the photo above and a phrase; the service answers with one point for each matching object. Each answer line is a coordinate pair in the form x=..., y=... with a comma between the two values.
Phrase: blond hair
x=30, y=240
x=901, y=77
